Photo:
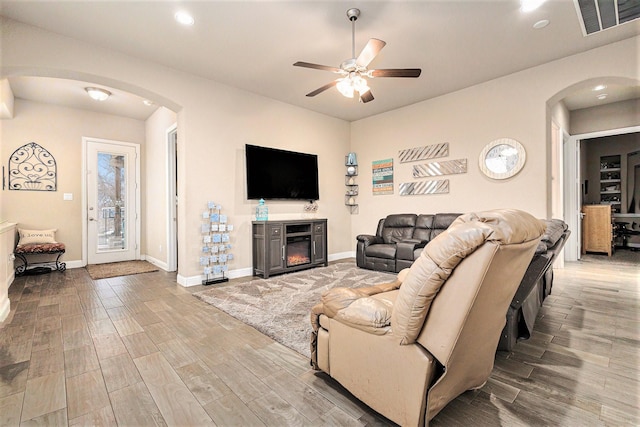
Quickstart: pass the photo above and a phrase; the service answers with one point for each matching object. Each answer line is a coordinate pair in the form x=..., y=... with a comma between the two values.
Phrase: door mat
x=115, y=269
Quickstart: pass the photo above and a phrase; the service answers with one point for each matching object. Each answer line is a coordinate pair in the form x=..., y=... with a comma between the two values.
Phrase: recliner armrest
x=367, y=314
x=368, y=239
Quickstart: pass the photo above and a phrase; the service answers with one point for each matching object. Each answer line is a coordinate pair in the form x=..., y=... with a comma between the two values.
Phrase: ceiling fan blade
x=323, y=88
x=396, y=72
x=317, y=66
x=369, y=52
x=366, y=97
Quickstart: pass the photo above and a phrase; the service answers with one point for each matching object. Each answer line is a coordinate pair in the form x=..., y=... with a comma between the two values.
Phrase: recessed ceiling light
x=97, y=93
x=147, y=102
x=184, y=18
x=530, y=5
x=602, y=96
x=600, y=87
x=541, y=24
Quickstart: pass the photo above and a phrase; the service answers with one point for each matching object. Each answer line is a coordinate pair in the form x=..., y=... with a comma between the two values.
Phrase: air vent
x=598, y=15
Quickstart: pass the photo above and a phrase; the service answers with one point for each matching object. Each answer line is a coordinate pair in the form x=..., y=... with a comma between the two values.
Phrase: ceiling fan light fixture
x=360, y=84
x=345, y=87
x=97, y=93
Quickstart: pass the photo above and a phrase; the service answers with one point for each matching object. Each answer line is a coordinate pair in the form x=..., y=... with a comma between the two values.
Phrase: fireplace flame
x=297, y=260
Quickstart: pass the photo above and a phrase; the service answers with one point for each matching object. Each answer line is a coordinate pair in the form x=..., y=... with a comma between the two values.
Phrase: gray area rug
x=280, y=306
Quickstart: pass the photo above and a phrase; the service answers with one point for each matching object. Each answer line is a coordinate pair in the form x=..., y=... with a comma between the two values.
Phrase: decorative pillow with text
x=29, y=237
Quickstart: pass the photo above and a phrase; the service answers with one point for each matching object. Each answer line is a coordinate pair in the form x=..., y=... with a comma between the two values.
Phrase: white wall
x=60, y=131
x=616, y=115
x=514, y=106
x=154, y=186
x=214, y=122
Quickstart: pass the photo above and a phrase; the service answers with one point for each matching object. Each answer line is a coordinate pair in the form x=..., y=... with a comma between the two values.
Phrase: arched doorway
x=61, y=87
x=575, y=114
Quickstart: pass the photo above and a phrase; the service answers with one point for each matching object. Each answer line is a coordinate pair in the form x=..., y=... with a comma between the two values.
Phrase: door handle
x=92, y=219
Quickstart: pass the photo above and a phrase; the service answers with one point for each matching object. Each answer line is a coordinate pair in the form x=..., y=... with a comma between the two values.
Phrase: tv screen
x=279, y=174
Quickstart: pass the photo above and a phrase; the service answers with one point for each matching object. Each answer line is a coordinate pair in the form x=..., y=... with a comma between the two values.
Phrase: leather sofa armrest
x=337, y=299
x=367, y=314
x=415, y=241
x=316, y=311
x=368, y=239
x=405, y=248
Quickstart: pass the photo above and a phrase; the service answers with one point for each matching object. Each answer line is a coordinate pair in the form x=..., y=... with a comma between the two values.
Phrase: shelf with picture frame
x=352, y=188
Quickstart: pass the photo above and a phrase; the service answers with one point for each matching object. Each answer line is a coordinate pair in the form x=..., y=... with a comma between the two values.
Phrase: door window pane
x=111, y=202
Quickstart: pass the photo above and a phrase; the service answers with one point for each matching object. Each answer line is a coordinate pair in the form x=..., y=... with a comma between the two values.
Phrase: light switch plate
x=68, y=196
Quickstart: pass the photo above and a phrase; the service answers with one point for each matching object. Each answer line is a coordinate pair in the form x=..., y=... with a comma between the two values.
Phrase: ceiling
x=251, y=45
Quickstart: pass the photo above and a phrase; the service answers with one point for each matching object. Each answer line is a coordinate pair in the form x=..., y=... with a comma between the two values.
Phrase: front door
x=112, y=201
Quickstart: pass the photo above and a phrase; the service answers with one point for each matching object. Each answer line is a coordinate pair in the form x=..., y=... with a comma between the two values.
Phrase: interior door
x=112, y=201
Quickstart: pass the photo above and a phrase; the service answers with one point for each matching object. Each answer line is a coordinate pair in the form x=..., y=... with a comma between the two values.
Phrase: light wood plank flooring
x=141, y=350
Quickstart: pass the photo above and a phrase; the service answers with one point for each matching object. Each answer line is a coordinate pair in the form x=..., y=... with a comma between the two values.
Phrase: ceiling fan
x=353, y=72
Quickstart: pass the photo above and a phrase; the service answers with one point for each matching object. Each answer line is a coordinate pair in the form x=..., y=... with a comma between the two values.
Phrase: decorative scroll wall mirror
x=32, y=168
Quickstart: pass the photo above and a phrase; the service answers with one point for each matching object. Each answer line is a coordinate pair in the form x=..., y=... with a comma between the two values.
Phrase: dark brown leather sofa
x=400, y=238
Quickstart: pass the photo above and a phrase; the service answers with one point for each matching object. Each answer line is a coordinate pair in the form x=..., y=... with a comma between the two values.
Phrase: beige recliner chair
x=409, y=347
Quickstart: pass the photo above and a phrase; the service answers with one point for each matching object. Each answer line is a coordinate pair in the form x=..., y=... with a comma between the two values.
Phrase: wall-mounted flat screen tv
x=281, y=175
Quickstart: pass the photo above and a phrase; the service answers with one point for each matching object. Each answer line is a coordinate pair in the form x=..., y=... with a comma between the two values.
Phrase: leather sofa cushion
x=444, y=220
x=553, y=233
x=381, y=251
x=441, y=222
x=424, y=223
x=398, y=227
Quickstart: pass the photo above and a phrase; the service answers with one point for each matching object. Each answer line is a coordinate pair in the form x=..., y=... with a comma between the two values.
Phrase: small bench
x=22, y=251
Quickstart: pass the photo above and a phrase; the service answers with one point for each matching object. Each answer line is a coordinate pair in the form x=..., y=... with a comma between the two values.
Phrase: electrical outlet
x=160, y=248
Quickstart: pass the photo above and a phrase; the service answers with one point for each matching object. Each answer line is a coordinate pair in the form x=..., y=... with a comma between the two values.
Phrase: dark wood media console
x=286, y=246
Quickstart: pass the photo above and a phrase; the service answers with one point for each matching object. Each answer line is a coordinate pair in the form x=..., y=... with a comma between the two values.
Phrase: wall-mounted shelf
x=352, y=189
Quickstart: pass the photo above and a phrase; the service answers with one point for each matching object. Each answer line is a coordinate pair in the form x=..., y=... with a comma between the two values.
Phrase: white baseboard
x=342, y=255
x=161, y=264
x=197, y=280
x=244, y=272
x=74, y=263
